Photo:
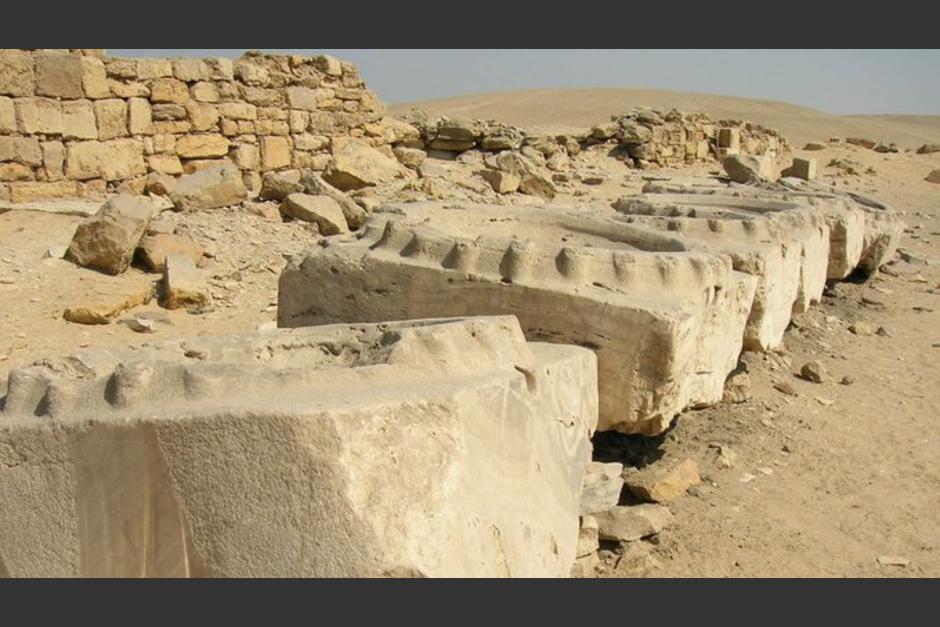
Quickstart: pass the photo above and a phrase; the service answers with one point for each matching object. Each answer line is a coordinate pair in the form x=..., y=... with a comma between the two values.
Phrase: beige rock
x=202, y=116
x=78, y=120
x=7, y=115
x=159, y=184
x=140, y=116
x=106, y=241
x=154, y=250
x=167, y=164
x=205, y=92
x=749, y=168
x=275, y=153
x=601, y=486
x=364, y=462
x=729, y=138
x=190, y=69
x=59, y=75
x=111, y=115
x=737, y=388
x=666, y=339
x=861, y=141
x=661, y=482
x=587, y=537
x=238, y=111
x=25, y=150
x=302, y=98
x=39, y=115
x=17, y=73
x=148, y=69
x=357, y=165
x=247, y=157
x=802, y=169
x=213, y=187
x=26, y=192
x=531, y=180
x=501, y=182
x=278, y=185
x=94, y=78
x=633, y=522
x=202, y=146
x=53, y=160
x=105, y=307
x=183, y=285
x=314, y=184
x=323, y=210
x=220, y=68
x=169, y=90
x=15, y=172
x=112, y=160
x=410, y=157
x=814, y=146
x=933, y=177
x=131, y=89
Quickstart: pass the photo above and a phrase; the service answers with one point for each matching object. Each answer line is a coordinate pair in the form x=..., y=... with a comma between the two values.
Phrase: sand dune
x=577, y=108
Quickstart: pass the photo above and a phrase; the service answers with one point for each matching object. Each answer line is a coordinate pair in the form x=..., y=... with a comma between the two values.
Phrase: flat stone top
x=706, y=205
x=304, y=368
x=548, y=227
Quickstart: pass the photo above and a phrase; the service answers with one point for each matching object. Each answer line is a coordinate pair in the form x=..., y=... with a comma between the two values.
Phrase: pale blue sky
x=835, y=81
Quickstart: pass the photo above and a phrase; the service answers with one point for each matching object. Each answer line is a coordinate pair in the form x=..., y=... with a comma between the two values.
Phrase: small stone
x=142, y=325
x=814, y=372
x=601, y=487
x=861, y=328
x=883, y=332
x=737, y=388
x=183, y=284
x=847, y=380
x=785, y=388
x=154, y=250
x=322, y=210
x=588, y=537
x=210, y=188
x=661, y=483
x=892, y=560
x=106, y=241
x=747, y=478
x=631, y=523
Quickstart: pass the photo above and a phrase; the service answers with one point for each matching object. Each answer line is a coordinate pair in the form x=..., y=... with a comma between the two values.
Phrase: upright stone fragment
x=184, y=285
x=448, y=448
x=322, y=210
x=358, y=165
x=667, y=323
x=107, y=240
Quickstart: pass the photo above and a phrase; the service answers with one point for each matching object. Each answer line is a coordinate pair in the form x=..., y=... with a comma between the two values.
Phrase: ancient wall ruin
x=79, y=123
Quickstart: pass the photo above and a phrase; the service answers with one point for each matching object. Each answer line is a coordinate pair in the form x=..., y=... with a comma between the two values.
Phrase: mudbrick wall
x=80, y=123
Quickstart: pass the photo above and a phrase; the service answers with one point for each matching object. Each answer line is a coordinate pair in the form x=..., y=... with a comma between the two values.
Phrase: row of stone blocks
x=450, y=446
x=667, y=289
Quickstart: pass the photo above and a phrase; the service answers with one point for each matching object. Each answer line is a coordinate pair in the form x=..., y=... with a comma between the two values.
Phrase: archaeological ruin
x=466, y=321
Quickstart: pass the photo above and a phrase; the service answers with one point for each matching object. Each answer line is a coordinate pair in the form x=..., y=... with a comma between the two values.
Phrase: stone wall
x=80, y=123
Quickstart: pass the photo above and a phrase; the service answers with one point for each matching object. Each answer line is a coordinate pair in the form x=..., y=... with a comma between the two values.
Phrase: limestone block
x=438, y=448
x=25, y=150
x=17, y=73
x=666, y=322
x=204, y=91
x=190, y=70
x=111, y=114
x=202, y=116
x=140, y=116
x=59, y=75
x=94, y=78
x=169, y=90
x=302, y=98
x=357, y=165
x=7, y=115
x=112, y=160
x=167, y=164
x=785, y=245
x=322, y=210
x=15, y=172
x=275, y=153
x=184, y=285
x=202, y=146
x=39, y=115
x=217, y=186
x=53, y=160
x=106, y=241
x=148, y=69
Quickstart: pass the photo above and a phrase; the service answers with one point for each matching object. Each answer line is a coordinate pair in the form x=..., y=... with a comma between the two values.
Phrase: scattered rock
x=631, y=523
x=912, y=258
x=726, y=457
x=813, y=146
x=847, y=380
x=883, y=332
x=213, y=187
x=803, y=169
x=279, y=185
x=892, y=560
x=501, y=182
x=636, y=561
x=814, y=372
x=57, y=252
x=154, y=249
x=737, y=388
x=933, y=177
x=601, y=487
x=357, y=165
x=748, y=168
x=142, y=325
x=104, y=307
x=588, y=537
x=747, y=478
x=159, y=184
x=323, y=210
x=354, y=214
x=106, y=241
x=785, y=388
x=410, y=157
x=267, y=210
x=183, y=284
x=660, y=483
x=861, y=328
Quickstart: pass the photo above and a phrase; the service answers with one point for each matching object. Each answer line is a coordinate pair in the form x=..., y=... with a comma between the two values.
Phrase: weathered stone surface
x=410, y=157
x=933, y=177
x=358, y=165
x=601, y=487
x=217, y=186
x=169, y=90
x=112, y=116
x=15, y=172
x=27, y=191
x=501, y=182
x=17, y=73
x=202, y=146
x=59, y=75
x=802, y=169
x=928, y=149
x=663, y=481
x=25, y=150
x=166, y=164
x=107, y=303
x=53, y=160
x=106, y=241
x=784, y=244
x=7, y=115
x=184, y=285
x=633, y=522
x=323, y=210
x=112, y=160
x=78, y=120
x=531, y=180
x=159, y=184
x=94, y=78
x=749, y=168
x=667, y=323
x=39, y=116
x=314, y=184
x=273, y=455
x=278, y=185
x=154, y=249
x=275, y=153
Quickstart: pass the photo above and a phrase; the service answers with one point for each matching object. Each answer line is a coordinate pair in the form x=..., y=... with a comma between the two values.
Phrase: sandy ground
x=842, y=474
x=579, y=108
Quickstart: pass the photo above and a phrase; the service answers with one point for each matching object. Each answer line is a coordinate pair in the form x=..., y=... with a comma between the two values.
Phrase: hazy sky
x=835, y=81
